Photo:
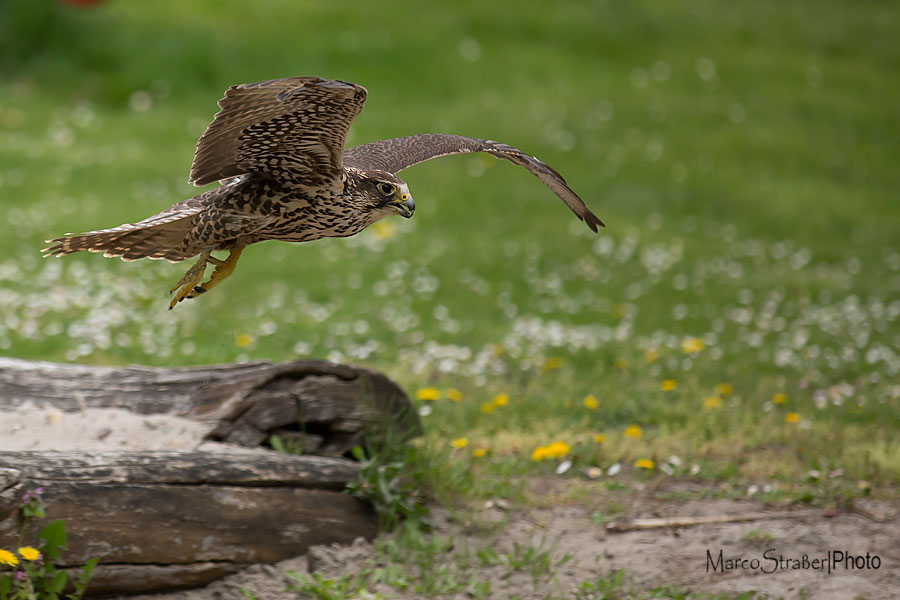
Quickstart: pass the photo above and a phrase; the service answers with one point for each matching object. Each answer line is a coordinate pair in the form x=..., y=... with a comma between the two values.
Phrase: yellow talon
x=190, y=279
x=190, y=287
x=224, y=268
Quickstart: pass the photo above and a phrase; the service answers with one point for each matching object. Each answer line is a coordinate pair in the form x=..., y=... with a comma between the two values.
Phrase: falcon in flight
x=277, y=149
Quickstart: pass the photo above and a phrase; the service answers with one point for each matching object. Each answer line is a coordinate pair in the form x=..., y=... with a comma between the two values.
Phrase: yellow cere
x=460, y=442
x=668, y=385
x=644, y=463
x=634, y=432
x=591, y=403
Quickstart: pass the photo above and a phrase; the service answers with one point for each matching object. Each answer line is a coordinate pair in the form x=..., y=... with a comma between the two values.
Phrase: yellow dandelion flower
x=501, y=400
x=384, y=229
x=487, y=407
x=634, y=432
x=479, y=452
x=428, y=393
x=692, y=345
x=621, y=364
x=599, y=438
x=652, y=355
x=792, y=418
x=724, y=389
x=454, y=394
x=591, y=403
x=460, y=442
x=29, y=553
x=498, y=349
x=539, y=453
x=558, y=449
x=8, y=558
x=243, y=340
x=644, y=463
x=779, y=399
x=668, y=385
x=552, y=362
x=712, y=403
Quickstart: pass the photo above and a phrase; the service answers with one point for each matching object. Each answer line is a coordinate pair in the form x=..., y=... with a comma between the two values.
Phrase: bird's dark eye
x=386, y=188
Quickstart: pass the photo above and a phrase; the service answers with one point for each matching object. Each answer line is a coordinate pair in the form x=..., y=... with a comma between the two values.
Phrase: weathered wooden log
x=337, y=406
x=167, y=520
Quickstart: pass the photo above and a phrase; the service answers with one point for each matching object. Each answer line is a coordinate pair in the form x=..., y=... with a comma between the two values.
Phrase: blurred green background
x=743, y=156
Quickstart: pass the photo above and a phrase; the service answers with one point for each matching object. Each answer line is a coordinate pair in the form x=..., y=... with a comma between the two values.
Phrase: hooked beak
x=405, y=206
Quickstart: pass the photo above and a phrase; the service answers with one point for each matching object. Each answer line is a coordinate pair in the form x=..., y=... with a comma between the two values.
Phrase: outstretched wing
x=290, y=129
x=399, y=153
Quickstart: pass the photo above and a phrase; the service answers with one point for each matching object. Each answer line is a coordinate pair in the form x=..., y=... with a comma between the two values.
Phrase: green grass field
x=743, y=156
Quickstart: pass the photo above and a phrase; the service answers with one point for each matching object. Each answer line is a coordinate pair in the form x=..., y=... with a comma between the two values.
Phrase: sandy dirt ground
x=650, y=558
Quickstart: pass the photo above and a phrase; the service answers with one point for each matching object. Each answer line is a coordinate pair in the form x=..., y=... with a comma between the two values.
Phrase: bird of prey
x=277, y=149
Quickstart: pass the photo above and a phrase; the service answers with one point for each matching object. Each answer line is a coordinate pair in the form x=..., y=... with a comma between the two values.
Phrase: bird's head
x=380, y=193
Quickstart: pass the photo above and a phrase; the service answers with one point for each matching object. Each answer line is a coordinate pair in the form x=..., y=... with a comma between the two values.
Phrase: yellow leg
x=187, y=283
x=223, y=270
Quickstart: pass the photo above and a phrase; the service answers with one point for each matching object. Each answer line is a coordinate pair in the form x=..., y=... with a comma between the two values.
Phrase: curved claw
x=189, y=281
x=190, y=287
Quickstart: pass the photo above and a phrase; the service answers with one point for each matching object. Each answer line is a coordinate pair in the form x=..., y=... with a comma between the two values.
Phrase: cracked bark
x=177, y=519
x=166, y=520
x=339, y=406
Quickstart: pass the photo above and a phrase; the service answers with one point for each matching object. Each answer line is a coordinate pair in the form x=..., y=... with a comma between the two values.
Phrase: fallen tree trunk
x=176, y=519
x=168, y=520
x=331, y=407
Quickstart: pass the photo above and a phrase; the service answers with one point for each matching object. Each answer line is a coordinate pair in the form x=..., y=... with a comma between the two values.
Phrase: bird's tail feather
x=130, y=241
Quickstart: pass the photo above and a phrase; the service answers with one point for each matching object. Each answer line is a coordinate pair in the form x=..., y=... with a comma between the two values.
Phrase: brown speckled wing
x=399, y=153
x=291, y=129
